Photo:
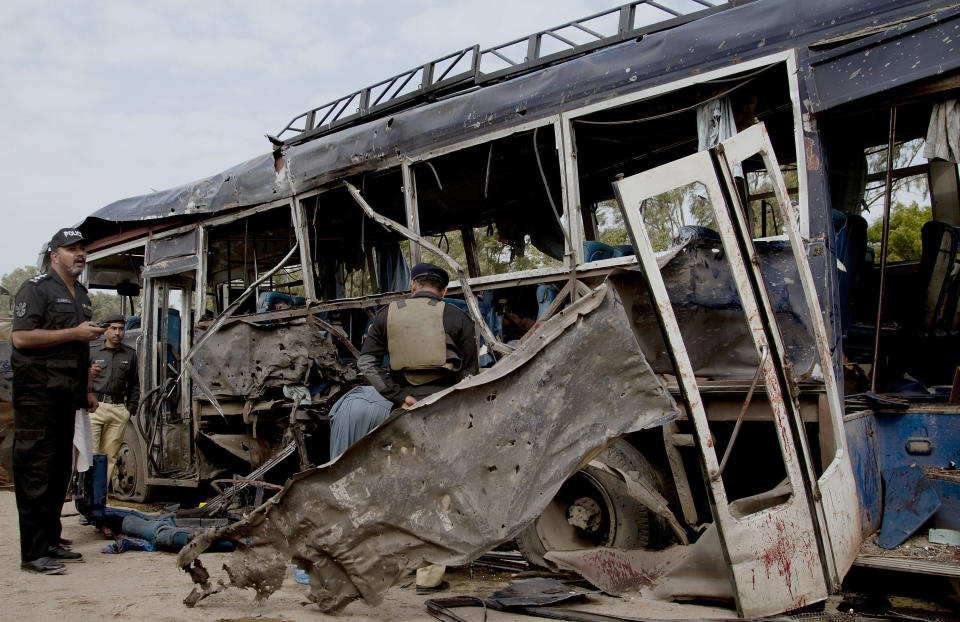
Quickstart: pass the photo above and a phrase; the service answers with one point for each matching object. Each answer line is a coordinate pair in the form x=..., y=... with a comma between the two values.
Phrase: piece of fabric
x=108, y=424
x=943, y=132
x=715, y=124
x=430, y=576
x=298, y=393
x=356, y=413
x=83, y=441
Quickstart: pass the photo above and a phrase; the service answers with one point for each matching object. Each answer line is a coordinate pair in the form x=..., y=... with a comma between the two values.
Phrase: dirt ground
x=138, y=585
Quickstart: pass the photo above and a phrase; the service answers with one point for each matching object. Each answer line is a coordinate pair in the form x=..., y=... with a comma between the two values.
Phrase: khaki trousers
x=107, y=424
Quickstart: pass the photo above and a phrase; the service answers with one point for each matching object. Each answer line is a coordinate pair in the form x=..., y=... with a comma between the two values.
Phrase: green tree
x=12, y=281
x=905, y=224
x=904, y=154
x=15, y=278
x=104, y=305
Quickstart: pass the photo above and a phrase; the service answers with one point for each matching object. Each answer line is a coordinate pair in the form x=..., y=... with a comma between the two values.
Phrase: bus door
x=169, y=289
x=782, y=548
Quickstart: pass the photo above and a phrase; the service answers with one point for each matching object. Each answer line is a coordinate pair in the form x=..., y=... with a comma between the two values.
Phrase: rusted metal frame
x=216, y=503
x=568, y=215
x=470, y=250
x=571, y=185
x=313, y=320
x=412, y=210
x=836, y=485
x=884, y=242
x=671, y=440
x=218, y=323
x=780, y=393
x=736, y=233
x=568, y=247
x=468, y=294
x=625, y=29
x=743, y=412
x=186, y=336
x=745, y=539
x=298, y=216
x=677, y=351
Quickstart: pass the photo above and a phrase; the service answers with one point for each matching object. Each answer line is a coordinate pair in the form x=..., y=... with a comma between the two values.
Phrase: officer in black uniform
x=116, y=387
x=51, y=331
x=432, y=345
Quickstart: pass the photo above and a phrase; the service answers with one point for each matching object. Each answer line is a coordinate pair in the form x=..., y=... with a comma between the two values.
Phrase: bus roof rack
x=472, y=67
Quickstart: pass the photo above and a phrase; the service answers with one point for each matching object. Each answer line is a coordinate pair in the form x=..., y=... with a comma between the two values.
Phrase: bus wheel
x=129, y=481
x=593, y=509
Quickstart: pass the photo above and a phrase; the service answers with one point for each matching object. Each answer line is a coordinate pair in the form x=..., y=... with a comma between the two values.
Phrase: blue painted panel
x=948, y=516
x=862, y=444
x=909, y=501
x=895, y=430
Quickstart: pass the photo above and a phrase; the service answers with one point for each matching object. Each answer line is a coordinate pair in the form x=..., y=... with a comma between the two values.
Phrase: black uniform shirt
x=392, y=385
x=55, y=375
x=118, y=376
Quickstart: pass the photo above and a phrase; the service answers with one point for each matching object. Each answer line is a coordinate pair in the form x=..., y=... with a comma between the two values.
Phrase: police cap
x=428, y=269
x=65, y=237
x=115, y=319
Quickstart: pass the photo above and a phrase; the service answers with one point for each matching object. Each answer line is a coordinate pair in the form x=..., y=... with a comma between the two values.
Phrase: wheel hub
x=585, y=514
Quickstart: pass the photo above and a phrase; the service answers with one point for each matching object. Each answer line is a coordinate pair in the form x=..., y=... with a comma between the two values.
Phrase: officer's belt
x=54, y=363
x=110, y=398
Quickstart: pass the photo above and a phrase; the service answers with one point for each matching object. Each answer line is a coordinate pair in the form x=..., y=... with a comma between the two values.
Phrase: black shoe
x=444, y=585
x=44, y=565
x=61, y=554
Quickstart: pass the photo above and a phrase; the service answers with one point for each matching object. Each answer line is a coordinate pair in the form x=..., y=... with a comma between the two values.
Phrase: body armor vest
x=416, y=341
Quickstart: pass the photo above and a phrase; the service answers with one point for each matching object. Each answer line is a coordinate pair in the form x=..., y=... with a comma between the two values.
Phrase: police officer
x=431, y=345
x=116, y=387
x=50, y=359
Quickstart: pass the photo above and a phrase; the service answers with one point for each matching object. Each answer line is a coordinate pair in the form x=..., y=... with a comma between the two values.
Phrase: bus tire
x=594, y=509
x=129, y=482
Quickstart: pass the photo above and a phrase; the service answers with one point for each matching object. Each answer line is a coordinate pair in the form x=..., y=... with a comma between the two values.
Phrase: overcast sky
x=105, y=100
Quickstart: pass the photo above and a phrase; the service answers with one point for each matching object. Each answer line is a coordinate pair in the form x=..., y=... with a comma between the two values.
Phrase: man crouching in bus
x=430, y=346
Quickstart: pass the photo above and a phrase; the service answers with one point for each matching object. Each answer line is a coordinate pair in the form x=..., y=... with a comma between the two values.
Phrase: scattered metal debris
x=332, y=522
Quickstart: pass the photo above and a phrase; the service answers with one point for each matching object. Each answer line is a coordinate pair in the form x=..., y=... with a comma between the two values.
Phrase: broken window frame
x=789, y=58
x=494, y=281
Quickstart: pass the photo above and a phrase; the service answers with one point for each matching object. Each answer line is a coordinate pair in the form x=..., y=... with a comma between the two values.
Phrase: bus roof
x=720, y=39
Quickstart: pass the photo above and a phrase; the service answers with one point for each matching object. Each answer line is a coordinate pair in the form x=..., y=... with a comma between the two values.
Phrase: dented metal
x=395, y=501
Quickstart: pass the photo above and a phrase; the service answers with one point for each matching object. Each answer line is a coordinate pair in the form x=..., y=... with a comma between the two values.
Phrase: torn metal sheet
x=711, y=317
x=244, y=446
x=537, y=591
x=464, y=470
x=245, y=359
x=616, y=571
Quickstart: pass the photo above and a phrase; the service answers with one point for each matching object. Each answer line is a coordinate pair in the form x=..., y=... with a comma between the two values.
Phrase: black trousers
x=42, y=464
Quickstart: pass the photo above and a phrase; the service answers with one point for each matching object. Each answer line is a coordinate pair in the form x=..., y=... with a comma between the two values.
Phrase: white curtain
x=943, y=133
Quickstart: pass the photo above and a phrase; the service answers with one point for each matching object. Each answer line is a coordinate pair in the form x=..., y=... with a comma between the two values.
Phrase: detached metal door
x=777, y=546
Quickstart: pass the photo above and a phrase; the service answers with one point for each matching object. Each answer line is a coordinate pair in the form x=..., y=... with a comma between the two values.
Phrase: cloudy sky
x=101, y=100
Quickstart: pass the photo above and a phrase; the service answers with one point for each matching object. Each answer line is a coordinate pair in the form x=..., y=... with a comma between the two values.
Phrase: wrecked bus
x=706, y=169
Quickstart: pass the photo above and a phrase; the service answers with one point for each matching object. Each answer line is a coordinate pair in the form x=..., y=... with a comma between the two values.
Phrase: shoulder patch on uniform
x=21, y=309
x=39, y=277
